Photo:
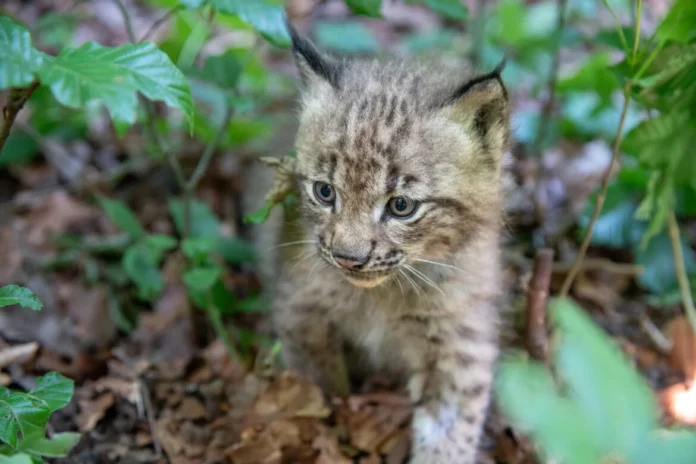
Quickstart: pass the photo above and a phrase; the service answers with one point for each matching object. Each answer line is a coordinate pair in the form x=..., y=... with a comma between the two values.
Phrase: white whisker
x=413, y=283
x=423, y=277
x=293, y=243
x=398, y=281
x=441, y=264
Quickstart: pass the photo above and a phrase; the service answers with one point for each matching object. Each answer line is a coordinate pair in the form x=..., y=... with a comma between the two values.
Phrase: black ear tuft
x=311, y=62
x=490, y=83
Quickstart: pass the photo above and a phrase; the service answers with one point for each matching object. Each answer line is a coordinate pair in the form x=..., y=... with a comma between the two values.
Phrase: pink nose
x=348, y=263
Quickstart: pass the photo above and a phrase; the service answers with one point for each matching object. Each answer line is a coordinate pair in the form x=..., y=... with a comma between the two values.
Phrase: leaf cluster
x=595, y=407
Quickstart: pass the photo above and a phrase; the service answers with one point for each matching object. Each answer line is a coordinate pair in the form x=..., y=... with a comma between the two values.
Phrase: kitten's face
x=394, y=165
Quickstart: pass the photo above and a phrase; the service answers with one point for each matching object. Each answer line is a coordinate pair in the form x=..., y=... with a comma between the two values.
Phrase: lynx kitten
x=398, y=175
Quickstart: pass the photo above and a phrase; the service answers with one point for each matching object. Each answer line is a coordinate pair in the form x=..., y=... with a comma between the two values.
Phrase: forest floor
x=153, y=393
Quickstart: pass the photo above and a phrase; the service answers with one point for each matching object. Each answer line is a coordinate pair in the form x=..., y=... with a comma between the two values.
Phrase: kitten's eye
x=324, y=193
x=402, y=207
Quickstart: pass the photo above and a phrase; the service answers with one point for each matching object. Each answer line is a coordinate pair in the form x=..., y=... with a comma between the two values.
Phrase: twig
x=568, y=282
x=127, y=20
x=659, y=339
x=682, y=278
x=163, y=19
x=17, y=99
x=601, y=264
x=537, y=344
x=203, y=163
x=221, y=330
x=149, y=413
x=577, y=264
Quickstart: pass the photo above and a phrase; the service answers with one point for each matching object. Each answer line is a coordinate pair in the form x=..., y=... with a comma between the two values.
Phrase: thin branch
x=204, y=162
x=682, y=277
x=221, y=331
x=546, y=116
x=163, y=19
x=577, y=264
x=537, y=343
x=15, y=102
x=127, y=20
x=568, y=282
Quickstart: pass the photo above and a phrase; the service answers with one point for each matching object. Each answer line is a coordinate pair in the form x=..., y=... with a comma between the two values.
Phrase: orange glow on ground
x=682, y=403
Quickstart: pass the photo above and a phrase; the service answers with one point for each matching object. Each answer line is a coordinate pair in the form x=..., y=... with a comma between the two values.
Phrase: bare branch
x=537, y=343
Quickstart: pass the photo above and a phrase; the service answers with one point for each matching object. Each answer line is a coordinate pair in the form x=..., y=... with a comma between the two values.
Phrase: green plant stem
x=161, y=21
x=577, y=264
x=204, y=162
x=221, y=331
x=17, y=99
x=682, y=278
x=636, y=40
x=547, y=109
x=127, y=20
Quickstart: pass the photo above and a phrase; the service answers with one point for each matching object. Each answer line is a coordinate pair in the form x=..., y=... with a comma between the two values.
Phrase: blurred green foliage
x=596, y=408
x=25, y=415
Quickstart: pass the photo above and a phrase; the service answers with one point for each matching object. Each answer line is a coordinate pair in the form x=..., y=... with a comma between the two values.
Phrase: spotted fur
x=422, y=296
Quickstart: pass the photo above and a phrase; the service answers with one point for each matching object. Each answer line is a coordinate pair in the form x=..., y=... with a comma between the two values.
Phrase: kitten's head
x=398, y=162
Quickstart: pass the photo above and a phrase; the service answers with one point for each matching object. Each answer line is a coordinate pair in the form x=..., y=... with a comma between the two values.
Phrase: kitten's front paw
x=446, y=453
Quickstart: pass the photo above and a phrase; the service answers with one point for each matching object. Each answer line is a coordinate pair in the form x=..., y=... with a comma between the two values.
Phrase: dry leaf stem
x=682, y=278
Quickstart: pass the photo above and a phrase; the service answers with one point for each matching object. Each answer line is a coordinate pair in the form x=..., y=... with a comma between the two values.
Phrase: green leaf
x=14, y=294
x=668, y=446
x=19, y=60
x=265, y=16
x=223, y=70
x=235, y=250
x=114, y=75
x=366, y=7
x=199, y=248
x=260, y=215
x=159, y=243
x=346, y=37
x=528, y=396
x=53, y=390
x=57, y=447
x=679, y=24
x=453, y=9
x=141, y=267
x=20, y=148
x=122, y=216
x=16, y=459
x=617, y=403
x=20, y=415
x=204, y=223
x=201, y=279
x=657, y=258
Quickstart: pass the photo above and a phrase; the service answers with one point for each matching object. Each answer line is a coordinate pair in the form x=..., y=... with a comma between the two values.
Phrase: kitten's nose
x=349, y=262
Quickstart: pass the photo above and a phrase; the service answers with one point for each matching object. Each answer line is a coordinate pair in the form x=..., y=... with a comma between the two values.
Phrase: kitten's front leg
x=312, y=346
x=452, y=396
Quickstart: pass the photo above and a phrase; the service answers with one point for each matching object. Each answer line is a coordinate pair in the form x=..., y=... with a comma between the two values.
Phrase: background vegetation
x=129, y=131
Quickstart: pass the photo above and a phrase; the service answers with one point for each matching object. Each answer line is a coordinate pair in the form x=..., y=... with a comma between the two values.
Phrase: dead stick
x=537, y=344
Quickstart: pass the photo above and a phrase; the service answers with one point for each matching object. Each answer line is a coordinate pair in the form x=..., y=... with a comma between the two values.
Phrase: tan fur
x=375, y=130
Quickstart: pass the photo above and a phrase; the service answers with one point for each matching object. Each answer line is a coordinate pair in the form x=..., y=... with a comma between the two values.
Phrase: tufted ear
x=314, y=66
x=481, y=104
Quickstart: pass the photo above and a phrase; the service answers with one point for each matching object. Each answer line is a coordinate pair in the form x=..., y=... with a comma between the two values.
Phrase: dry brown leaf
x=257, y=451
x=373, y=419
x=289, y=396
x=17, y=353
x=54, y=214
x=93, y=410
x=89, y=312
x=191, y=409
x=329, y=450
